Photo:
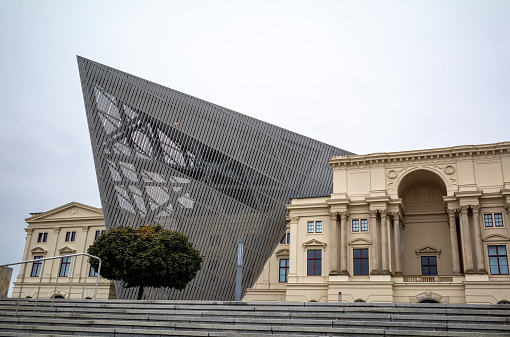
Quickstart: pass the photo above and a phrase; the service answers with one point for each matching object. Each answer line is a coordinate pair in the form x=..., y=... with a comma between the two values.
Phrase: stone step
x=209, y=318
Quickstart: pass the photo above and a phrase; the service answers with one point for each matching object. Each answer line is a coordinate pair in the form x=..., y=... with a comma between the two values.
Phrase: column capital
x=292, y=219
x=29, y=230
x=452, y=212
x=373, y=213
x=56, y=229
x=384, y=213
x=396, y=215
x=334, y=215
x=344, y=215
x=464, y=209
x=475, y=208
x=85, y=228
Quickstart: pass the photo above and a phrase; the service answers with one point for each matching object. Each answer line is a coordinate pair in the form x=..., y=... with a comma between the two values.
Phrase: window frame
x=310, y=227
x=497, y=256
x=359, y=225
x=428, y=257
x=65, y=265
x=362, y=259
x=316, y=261
x=42, y=237
x=318, y=227
x=70, y=236
x=493, y=220
x=36, y=266
x=355, y=228
x=285, y=269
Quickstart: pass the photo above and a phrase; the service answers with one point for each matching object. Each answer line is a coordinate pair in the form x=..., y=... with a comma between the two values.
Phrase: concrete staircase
x=206, y=318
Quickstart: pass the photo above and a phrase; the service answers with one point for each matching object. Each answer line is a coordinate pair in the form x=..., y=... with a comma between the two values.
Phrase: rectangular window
x=42, y=237
x=284, y=239
x=360, y=261
x=64, y=266
x=98, y=233
x=314, y=262
x=92, y=272
x=288, y=237
x=428, y=265
x=36, y=267
x=70, y=236
x=364, y=225
x=318, y=226
x=488, y=220
x=498, y=219
x=310, y=226
x=355, y=225
x=284, y=270
x=498, y=260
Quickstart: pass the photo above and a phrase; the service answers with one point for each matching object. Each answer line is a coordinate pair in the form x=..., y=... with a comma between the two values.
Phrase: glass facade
x=216, y=175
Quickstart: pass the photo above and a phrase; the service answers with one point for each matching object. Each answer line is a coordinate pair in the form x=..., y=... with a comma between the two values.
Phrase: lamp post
x=239, y=273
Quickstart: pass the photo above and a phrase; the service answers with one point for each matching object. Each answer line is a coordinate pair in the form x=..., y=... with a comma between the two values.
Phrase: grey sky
x=366, y=76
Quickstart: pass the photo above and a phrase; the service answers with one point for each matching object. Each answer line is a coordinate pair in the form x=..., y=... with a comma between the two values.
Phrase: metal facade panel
x=164, y=157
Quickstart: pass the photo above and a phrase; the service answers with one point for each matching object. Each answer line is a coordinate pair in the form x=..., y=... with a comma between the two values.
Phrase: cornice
x=456, y=152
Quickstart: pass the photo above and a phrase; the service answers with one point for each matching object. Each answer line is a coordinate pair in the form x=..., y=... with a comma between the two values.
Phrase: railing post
x=40, y=280
x=21, y=288
x=72, y=278
x=56, y=282
x=97, y=279
x=85, y=279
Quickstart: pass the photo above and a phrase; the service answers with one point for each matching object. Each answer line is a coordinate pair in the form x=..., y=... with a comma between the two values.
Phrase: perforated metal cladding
x=216, y=175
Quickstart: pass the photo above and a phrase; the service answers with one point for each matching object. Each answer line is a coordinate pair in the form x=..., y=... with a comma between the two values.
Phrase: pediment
x=66, y=250
x=360, y=241
x=496, y=237
x=70, y=211
x=38, y=250
x=314, y=242
x=282, y=252
x=427, y=250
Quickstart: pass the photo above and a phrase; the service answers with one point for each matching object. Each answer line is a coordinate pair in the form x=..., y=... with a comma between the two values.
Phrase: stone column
x=293, y=222
x=454, y=243
x=384, y=243
x=343, y=244
x=477, y=233
x=398, y=251
x=29, y=231
x=466, y=240
x=333, y=244
x=374, y=249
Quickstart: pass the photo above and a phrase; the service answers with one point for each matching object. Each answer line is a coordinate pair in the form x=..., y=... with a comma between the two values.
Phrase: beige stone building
x=414, y=226
x=65, y=230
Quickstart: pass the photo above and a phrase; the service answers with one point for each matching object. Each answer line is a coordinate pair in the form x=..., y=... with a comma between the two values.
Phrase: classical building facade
x=65, y=230
x=414, y=226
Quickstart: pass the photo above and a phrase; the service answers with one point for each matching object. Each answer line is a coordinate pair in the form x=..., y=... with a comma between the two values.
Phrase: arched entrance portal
x=427, y=246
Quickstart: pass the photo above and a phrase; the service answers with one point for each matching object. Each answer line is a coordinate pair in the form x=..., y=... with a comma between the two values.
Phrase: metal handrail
x=56, y=281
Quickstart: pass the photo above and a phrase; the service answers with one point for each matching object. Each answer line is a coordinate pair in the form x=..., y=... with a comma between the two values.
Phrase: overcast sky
x=365, y=76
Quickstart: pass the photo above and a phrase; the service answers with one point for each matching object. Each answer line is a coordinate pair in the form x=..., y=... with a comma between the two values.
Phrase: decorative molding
x=85, y=228
x=38, y=250
x=73, y=211
x=66, y=250
x=392, y=174
x=359, y=241
x=495, y=237
x=282, y=252
x=427, y=250
x=314, y=242
x=449, y=170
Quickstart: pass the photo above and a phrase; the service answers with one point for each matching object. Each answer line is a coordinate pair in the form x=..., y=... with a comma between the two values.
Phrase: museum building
x=62, y=231
x=412, y=226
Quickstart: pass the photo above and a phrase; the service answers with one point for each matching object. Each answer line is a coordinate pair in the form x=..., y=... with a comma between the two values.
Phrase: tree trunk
x=140, y=293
